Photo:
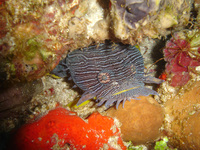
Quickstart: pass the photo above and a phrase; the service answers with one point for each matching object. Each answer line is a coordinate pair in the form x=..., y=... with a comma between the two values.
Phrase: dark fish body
x=110, y=72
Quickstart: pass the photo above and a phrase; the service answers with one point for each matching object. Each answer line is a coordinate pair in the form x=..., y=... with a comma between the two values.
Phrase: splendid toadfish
x=111, y=72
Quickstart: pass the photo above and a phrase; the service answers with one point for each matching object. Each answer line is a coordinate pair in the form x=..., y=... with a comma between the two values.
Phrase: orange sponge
x=61, y=128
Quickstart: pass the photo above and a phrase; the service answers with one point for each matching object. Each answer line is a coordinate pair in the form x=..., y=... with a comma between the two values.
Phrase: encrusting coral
x=63, y=129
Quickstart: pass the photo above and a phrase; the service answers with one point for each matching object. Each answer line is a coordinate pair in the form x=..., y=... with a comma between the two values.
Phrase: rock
x=14, y=98
x=141, y=119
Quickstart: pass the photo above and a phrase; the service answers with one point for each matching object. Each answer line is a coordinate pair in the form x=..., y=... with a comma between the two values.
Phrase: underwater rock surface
x=14, y=98
x=111, y=72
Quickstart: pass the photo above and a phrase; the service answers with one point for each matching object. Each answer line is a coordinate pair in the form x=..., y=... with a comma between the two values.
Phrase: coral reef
x=130, y=12
x=26, y=55
x=140, y=120
x=182, y=56
x=35, y=34
x=182, y=118
x=133, y=20
x=62, y=129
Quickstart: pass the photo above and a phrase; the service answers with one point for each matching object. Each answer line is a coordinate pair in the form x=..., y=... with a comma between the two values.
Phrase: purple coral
x=182, y=56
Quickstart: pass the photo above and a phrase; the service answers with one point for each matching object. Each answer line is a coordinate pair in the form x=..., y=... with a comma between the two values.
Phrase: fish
x=110, y=72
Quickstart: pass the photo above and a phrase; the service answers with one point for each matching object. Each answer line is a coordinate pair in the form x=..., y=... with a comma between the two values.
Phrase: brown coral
x=140, y=119
x=182, y=119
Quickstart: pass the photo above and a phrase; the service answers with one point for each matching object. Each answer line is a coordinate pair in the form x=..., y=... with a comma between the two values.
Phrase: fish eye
x=104, y=77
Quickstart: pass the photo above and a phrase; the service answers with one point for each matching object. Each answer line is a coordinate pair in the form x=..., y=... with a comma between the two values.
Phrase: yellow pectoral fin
x=126, y=90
